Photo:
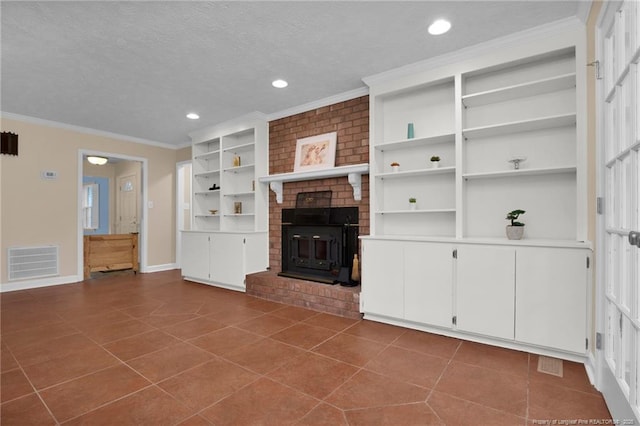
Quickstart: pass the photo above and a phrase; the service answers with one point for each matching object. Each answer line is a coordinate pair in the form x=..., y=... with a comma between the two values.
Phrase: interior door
x=618, y=165
x=127, y=215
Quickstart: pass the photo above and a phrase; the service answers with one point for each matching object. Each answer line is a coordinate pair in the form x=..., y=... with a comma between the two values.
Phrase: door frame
x=179, y=210
x=619, y=407
x=142, y=237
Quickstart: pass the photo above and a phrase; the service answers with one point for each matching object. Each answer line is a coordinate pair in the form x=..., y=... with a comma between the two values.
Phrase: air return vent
x=33, y=262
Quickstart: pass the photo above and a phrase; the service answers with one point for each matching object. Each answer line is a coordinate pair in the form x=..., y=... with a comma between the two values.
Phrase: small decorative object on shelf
x=412, y=203
x=213, y=211
x=253, y=185
x=395, y=166
x=435, y=161
x=237, y=207
x=516, y=229
x=236, y=161
x=214, y=187
x=516, y=162
x=410, y=133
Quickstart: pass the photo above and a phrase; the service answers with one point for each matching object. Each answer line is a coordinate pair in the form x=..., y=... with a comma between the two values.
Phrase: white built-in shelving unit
x=229, y=222
x=445, y=265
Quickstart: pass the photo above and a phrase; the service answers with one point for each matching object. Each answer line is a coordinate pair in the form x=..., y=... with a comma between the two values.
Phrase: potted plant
x=435, y=161
x=395, y=166
x=412, y=203
x=516, y=229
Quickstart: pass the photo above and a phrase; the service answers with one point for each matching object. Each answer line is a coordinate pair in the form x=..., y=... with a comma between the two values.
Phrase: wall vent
x=32, y=262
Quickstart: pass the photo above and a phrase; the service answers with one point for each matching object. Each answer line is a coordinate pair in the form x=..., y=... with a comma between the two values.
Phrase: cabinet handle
x=634, y=238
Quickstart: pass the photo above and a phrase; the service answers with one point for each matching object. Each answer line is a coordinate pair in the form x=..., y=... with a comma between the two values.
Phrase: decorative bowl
x=213, y=211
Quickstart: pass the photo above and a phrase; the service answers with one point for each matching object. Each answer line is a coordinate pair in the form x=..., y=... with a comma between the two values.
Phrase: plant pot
x=435, y=164
x=412, y=206
x=515, y=232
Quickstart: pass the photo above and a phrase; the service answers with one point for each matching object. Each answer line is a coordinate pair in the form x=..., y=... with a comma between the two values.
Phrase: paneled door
x=618, y=298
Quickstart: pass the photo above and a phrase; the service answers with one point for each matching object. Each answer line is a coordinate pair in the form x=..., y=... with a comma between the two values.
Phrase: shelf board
x=620, y=155
x=207, y=215
x=238, y=215
x=239, y=194
x=520, y=126
x=207, y=174
x=240, y=148
x=207, y=155
x=239, y=168
x=412, y=173
x=520, y=172
x=416, y=211
x=215, y=191
x=547, y=85
x=416, y=142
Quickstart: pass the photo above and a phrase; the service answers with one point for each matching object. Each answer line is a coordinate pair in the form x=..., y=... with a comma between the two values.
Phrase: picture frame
x=316, y=152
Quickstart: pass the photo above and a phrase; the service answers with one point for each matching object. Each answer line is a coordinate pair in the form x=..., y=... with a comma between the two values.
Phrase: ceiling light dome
x=98, y=161
x=439, y=27
x=280, y=84
x=193, y=116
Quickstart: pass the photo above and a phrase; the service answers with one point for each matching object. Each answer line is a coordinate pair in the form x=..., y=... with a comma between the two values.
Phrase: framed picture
x=316, y=152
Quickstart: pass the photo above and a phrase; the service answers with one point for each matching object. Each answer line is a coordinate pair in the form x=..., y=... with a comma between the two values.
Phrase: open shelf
x=413, y=173
x=538, y=87
x=207, y=174
x=214, y=192
x=240, y=194
x=520, y=126
x=238, y=214
x=417, y=142
x=520, y=172
x=207, y=155
x=416, y=211
x=240, y=148
x=239, y=168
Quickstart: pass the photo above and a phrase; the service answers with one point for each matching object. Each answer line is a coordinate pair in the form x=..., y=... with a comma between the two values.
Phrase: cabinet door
x=195, y=255
x=551, y=298
x=428, y=283
x=227, y=259
x=485, y=290
x=382, y=278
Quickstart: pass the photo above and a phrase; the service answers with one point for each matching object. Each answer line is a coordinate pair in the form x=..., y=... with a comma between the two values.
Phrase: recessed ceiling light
x=439, y=26
x=280, y=84
x=193, y=116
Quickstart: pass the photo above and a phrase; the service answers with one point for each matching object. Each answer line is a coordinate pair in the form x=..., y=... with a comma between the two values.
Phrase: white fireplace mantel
x=353, y=172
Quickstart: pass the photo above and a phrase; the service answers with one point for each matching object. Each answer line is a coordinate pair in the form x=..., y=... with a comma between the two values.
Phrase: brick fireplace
x=350, y=119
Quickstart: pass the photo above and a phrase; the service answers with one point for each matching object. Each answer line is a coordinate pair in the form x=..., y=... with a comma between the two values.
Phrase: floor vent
x=551, y=366
x=33, y=262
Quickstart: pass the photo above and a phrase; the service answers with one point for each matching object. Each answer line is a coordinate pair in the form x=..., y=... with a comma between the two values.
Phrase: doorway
x=126, y=211
x=618, y=169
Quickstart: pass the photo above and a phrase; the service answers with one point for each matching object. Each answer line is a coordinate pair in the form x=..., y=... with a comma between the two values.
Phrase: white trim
x=340, y=97
x=584, y=8
x=87, y=130
x=44, y=282
x=144, y=231
x=161, y=268
x=590, y=368
x=179, y=210
x=484, y=48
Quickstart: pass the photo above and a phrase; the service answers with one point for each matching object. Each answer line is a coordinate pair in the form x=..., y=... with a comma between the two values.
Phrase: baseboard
x=590, y=367
x=160, y=268
x=43, y=282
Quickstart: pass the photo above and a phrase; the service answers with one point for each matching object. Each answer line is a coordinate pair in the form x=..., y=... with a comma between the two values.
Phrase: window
x=91, y=206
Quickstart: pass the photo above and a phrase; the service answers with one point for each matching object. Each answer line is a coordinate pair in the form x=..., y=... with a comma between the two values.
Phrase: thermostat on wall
x=49, y=174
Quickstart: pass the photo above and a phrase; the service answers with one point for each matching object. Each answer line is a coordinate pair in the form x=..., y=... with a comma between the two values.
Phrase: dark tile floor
x=153, y=349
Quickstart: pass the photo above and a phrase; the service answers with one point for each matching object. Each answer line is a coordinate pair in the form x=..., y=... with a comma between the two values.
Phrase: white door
x=383, y=278
x=619, y=182
x=485, y=290
x=127, y=214
x=428, y=283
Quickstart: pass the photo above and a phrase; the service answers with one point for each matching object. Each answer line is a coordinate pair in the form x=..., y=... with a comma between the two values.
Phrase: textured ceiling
x=136, y=68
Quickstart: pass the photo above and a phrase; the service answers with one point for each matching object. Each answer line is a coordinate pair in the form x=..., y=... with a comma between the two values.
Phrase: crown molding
x=340, y=97
x=584, y=8
x=86, y=130
x=479, y=49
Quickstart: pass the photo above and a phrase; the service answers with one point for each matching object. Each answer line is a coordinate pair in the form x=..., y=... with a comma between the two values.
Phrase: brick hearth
x=332, y=299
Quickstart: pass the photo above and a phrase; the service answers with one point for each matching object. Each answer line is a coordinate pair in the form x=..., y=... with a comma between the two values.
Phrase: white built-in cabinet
x=230, y=207
x=447, y=263
x=513, y=294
